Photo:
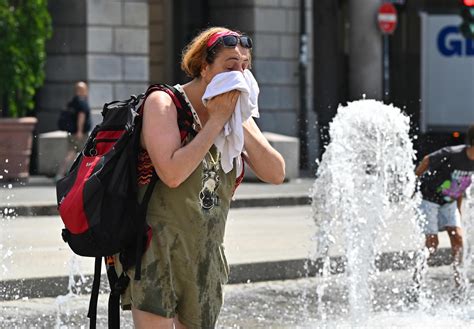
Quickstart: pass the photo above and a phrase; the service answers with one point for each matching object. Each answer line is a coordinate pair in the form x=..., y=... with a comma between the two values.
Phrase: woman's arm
x=265, y=161
x=161, y=137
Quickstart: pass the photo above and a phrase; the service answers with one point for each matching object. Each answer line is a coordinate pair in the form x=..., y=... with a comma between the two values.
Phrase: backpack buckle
x=121, y=284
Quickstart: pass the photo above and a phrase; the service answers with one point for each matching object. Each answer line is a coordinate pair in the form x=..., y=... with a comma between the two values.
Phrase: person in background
x=184, y=267
x=445, y=176
x=77, y=136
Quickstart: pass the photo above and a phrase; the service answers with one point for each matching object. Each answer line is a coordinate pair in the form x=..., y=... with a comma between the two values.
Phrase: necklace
x=216, y=161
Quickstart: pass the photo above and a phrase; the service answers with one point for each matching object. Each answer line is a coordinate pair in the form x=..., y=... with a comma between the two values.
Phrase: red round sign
x=387, y=18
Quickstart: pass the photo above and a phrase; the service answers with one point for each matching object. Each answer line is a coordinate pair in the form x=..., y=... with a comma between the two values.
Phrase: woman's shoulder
x=159, y=100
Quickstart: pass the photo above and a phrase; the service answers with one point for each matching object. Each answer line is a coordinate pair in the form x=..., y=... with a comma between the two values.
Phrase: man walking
x=445, y=176
x=77, y=134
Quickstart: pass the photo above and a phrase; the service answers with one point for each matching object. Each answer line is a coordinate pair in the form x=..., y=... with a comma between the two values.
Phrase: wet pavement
x=262, y=243
x=257, y=239
x=281, y=304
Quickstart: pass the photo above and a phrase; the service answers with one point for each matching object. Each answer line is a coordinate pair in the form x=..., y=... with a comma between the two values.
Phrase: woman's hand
x=221, y=107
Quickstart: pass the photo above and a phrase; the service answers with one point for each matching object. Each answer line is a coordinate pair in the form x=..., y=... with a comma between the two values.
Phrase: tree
x=25, y=26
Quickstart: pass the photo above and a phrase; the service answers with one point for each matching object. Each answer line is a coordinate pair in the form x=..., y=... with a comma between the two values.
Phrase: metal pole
x=386, y=68
x=303, y=62
x=328, y=67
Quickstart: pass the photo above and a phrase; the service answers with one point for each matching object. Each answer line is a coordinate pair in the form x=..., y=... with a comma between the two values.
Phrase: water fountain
x=365, y=191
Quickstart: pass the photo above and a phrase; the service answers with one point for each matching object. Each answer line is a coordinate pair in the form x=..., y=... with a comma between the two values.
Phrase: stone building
x=120, y=46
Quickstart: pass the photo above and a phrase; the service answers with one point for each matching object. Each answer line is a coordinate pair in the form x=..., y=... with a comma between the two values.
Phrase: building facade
x=119, y=47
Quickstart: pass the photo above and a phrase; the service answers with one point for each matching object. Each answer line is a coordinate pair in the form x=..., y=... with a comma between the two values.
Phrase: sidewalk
x=268, y=238
x=38, y=196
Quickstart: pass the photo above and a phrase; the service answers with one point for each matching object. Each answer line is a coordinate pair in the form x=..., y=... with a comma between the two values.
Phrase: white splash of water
x=6, y=251
x=74, y=289
x=6, y=215
x=5, y=256
x=365, y=187
x=468, y=247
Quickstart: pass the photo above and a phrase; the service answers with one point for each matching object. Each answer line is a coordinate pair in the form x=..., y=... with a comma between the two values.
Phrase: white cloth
x=230, y=141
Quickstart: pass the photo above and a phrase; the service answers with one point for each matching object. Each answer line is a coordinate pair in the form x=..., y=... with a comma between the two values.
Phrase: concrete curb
x=240, y=273
x=272, y=201
x=261, y=201
x=30, y=211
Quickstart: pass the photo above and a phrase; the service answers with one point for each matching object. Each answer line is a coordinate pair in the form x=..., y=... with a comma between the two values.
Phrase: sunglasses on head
x=230, y=41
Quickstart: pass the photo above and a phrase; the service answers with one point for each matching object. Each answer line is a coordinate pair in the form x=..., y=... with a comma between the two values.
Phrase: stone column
x=102, y=42
x=365, y=50
x=161, y=41
x=65, y=60
x=117, y=50
x=274, y=27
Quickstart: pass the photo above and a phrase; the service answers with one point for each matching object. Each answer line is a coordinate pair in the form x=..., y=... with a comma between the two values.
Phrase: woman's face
x=228, y=59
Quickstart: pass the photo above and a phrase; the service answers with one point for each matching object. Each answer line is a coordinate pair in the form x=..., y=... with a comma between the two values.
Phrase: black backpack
x=67, y=119
x=97, y=199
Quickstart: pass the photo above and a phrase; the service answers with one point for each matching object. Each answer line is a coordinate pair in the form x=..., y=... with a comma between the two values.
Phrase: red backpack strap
x=240, y=178
x=185, y=124
x=185, y=115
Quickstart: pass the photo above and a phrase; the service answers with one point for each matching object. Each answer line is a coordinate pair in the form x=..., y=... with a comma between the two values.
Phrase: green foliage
x=25, y=25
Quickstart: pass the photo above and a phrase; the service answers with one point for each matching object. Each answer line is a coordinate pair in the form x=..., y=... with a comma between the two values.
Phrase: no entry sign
x=387, y=18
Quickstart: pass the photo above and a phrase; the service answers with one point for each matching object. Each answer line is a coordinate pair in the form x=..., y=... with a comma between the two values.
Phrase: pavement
x=294, y=304
x=270, y=236
x=37, y=197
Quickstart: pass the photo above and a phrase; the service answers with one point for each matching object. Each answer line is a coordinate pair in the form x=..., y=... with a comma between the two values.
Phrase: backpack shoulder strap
x=92, y=314
x=118, y=284
x=185, y=124
x=185, y=115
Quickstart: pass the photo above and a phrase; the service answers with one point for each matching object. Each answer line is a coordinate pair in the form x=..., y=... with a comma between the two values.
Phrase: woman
x=184, y=267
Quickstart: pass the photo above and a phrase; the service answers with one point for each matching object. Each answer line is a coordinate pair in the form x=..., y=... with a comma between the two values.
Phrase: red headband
x=212, y=40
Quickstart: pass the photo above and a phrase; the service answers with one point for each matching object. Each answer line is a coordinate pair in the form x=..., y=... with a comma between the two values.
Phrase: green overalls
x=184, y=267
